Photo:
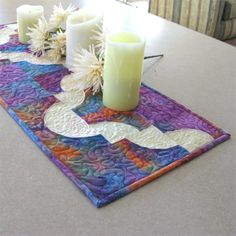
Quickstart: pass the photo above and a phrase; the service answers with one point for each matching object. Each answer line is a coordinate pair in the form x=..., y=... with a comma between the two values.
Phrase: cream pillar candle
x=27, y=16
x=80, y=27
x=124, y=55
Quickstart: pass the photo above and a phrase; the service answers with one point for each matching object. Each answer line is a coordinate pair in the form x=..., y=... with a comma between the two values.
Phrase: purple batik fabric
x=168, y=115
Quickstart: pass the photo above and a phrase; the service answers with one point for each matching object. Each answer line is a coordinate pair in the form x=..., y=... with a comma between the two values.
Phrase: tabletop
x=198, y=198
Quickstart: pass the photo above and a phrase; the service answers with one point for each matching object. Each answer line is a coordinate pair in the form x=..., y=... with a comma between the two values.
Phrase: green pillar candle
x=27, y=16
x=124, y=55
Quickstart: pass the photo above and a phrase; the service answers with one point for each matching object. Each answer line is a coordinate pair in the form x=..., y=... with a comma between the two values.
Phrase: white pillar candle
x=80, y=27
x=124, y=55
x=27, y=16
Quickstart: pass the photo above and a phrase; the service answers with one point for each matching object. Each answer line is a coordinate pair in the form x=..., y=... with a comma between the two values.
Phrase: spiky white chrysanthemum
x=60, y=15
x=88, y=68
x=38, y=37
x=57, y=45
x=100, y=39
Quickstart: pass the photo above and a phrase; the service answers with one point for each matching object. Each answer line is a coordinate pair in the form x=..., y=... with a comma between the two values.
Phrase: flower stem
x=153, y=56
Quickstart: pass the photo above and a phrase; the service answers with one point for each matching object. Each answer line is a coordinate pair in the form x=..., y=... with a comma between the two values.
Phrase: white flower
x=57, y=45
x=88, y=68
x=60, y=15
x=38, y=37
x=100, y=38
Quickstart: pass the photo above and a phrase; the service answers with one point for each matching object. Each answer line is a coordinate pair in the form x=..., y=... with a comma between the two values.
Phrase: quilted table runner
x=106, y=153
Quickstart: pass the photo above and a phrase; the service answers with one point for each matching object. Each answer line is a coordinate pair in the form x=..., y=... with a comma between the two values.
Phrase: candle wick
x=153, y=56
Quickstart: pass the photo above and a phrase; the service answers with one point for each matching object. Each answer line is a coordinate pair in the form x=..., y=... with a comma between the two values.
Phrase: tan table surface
x=198, y=198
